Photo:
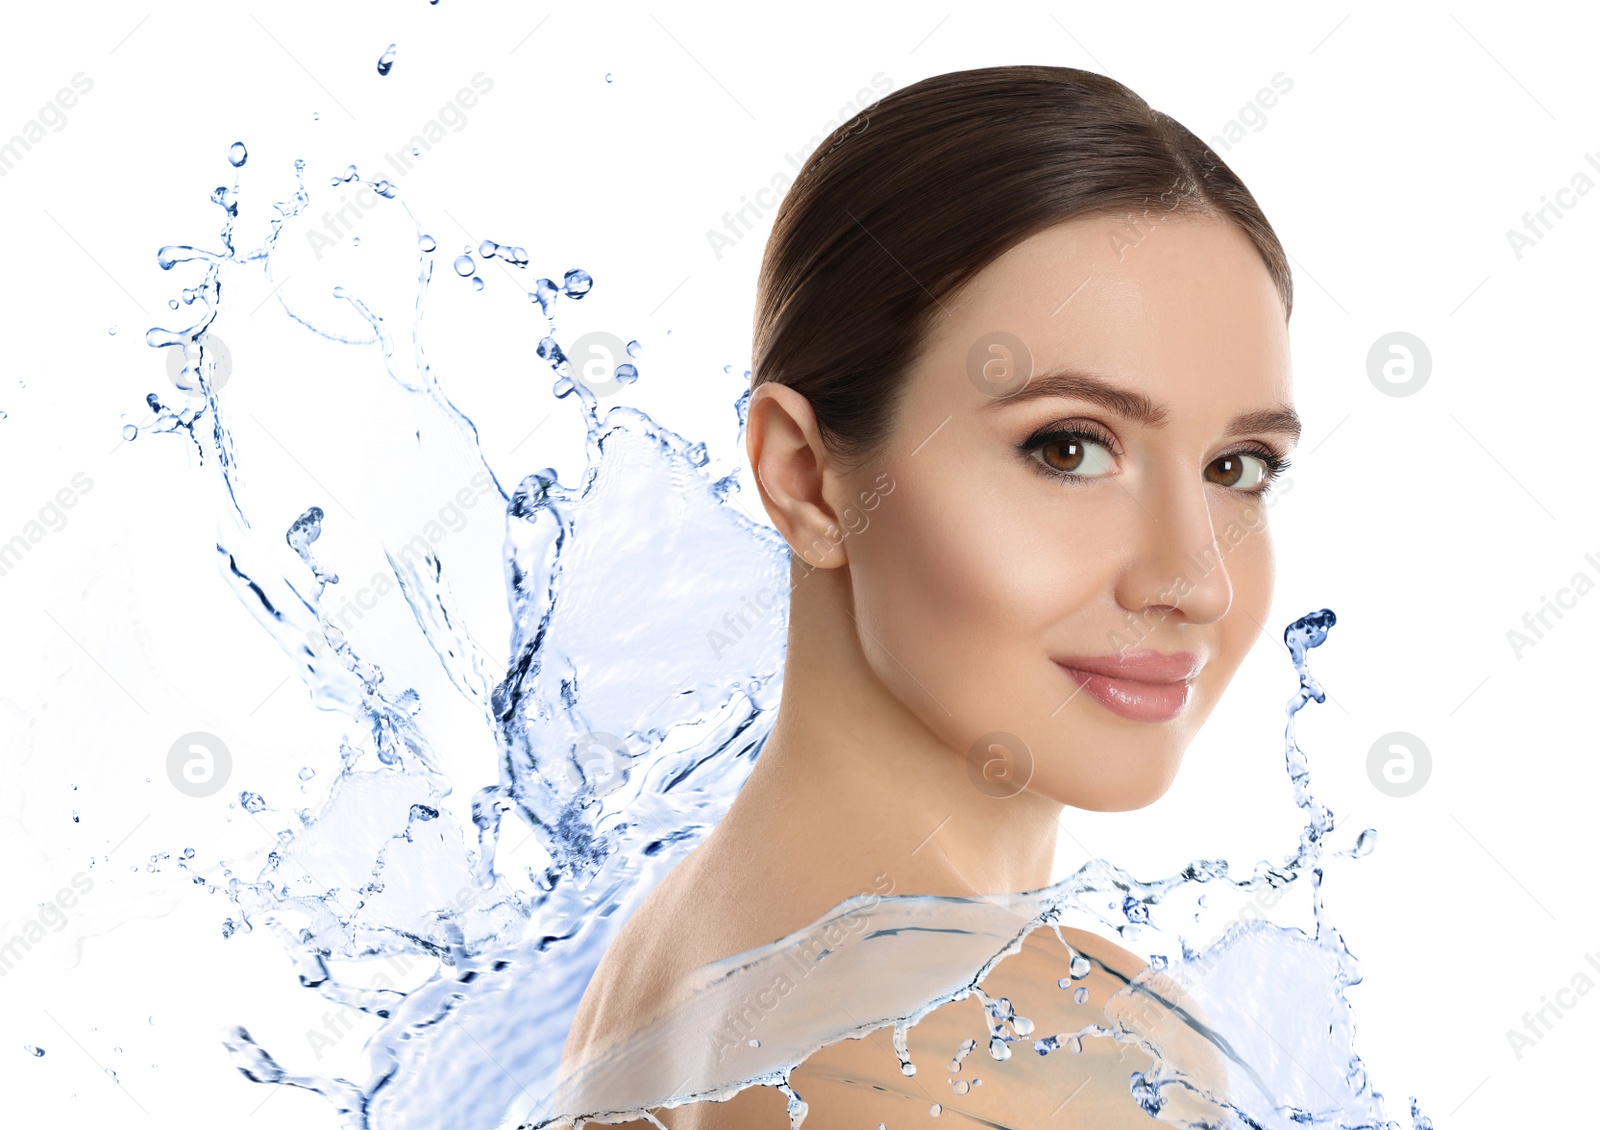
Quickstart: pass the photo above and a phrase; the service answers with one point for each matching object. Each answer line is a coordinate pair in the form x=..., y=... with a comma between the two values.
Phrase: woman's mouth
x=1146, y=686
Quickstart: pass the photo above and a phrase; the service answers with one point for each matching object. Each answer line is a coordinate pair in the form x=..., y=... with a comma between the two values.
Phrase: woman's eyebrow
x=1268, y=420
x=1136, y=406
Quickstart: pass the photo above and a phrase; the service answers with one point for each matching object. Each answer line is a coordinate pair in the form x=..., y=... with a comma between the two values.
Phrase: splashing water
x=633, y=698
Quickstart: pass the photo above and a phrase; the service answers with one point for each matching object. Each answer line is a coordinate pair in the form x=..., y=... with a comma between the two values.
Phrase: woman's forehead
x=1190, y=309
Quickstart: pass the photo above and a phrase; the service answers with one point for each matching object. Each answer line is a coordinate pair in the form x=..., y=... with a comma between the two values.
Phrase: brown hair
x=883, y=223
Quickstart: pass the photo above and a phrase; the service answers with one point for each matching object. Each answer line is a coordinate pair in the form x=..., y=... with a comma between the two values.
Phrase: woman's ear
x=794, y=471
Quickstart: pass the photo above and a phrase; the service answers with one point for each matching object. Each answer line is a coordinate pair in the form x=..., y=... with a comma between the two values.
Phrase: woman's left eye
x=1241, y=471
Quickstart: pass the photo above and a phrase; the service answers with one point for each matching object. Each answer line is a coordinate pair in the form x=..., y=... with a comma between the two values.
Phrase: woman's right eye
x=1073, y=455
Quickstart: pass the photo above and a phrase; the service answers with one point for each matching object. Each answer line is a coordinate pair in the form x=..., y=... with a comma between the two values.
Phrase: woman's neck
x=852, y=790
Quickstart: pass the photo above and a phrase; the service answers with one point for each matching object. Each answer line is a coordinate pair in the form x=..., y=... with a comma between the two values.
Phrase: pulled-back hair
x=905, y=203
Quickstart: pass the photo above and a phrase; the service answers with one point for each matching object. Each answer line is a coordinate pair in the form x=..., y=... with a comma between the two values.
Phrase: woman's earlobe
x=789, y=461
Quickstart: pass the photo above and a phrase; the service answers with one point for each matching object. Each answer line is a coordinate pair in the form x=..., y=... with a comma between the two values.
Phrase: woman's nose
x=1176, y=564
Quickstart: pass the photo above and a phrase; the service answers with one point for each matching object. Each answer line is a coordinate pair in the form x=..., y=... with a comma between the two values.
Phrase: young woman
x=1021, y=380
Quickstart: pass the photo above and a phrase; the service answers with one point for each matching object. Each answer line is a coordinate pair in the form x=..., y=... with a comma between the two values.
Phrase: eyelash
x=1276, y=463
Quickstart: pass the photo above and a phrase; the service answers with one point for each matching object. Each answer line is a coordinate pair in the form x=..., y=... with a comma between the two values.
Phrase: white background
x=1413, y=138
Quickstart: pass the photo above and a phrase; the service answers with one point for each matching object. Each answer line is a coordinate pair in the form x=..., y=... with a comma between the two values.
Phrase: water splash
x=635, y=693
x=1263, y=1036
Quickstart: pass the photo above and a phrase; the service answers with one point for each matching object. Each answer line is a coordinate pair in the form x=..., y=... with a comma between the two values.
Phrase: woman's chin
x=1119, y=794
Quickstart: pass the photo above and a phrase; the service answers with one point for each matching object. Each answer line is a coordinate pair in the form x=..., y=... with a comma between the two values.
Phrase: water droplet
x=477, y=283
x=608, y=76
x=112, y=331
x=427, y=243
x=626, y=374
x=633, y=348
x=386, y=61
x=576, y=283
x=935, y=1110
x=355, y=241
x=961, y=1086
x=188, y=853
x=306, y=773
x=755, y=1043
x=32, y=1050
x=1079, y=968
x=1080, y=994
x=236, y=154
x=544, y=293
x=999, y=1049
x=1366, y=841
x=252, y=802
x=465, y=266
x=487, y=248
x=129, y=431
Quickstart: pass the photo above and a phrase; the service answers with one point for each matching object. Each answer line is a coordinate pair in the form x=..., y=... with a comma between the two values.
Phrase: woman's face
x=1071, y=557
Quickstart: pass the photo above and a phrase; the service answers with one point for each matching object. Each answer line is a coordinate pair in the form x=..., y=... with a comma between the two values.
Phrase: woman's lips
x=1143, y=686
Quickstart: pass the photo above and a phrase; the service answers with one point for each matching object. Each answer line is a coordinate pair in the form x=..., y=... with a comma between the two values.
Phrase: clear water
x=623, y=714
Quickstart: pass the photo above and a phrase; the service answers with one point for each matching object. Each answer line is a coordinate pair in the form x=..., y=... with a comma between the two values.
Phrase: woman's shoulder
x=631, y=981
x=679, y=927
x=856, y=1079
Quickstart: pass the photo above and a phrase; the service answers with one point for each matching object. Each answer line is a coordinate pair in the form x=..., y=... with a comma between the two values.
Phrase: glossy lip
x=1144, y=686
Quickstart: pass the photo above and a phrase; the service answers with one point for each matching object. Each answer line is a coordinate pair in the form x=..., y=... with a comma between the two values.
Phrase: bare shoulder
x=860, y=1081
x=635, y=974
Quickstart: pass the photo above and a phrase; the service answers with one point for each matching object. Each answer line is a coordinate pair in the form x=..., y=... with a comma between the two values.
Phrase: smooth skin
x=937, y=618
